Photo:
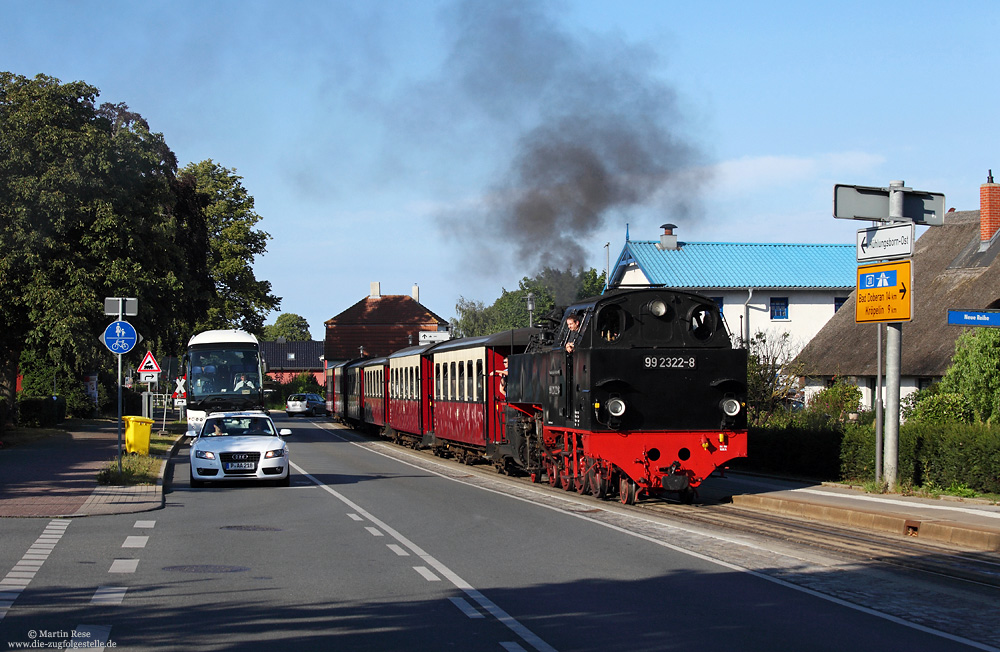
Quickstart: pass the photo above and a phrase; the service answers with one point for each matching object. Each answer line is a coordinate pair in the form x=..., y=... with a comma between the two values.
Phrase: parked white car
x=240, y=446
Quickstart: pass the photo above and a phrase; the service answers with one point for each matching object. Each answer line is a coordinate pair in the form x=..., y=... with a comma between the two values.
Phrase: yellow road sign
x=884, y=293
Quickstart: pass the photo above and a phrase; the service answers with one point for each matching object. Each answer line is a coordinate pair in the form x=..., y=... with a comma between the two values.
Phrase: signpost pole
x=121, y=303
x=879, y=412
x=893, y=356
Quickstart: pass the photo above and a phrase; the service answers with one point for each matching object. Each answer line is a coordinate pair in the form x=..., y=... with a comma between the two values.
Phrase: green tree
x=85, y=213
x=550, y=288
x=239, y=300
x=292, y=327
x=975, y=372
x=770, y=377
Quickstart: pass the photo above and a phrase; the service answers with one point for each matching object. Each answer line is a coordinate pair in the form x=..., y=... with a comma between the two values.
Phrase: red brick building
x=378, y=325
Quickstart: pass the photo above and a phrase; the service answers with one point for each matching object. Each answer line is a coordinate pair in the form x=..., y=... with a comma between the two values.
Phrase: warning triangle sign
x=149, y=363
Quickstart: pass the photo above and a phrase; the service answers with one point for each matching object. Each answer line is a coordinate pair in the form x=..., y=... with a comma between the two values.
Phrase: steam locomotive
x=647, y=397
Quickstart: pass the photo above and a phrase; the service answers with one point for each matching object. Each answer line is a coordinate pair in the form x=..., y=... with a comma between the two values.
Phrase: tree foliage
x=292, y=327
x=239, y=299
x=550, y=289
x=975, y=372
x=771, y=380
x=91, y=206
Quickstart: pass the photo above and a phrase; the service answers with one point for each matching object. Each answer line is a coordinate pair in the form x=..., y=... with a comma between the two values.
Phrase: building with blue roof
x=760, y=287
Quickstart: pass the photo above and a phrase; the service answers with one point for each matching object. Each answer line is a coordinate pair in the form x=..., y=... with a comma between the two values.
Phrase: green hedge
x=41, y=412
x=930, y=455
x=793, y=451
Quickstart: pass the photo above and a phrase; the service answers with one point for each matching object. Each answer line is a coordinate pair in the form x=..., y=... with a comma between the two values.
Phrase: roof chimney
x=668, y=240
x=376, y=290
x=989, y=210
x=415, y=293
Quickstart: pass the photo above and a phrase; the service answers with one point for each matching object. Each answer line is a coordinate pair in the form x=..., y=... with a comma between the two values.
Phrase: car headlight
x=731, y=407
x=280, y=452
x=204, y=455
x=616, y=407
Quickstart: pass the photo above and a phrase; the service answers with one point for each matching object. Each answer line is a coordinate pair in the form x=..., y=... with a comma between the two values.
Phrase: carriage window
x=453, y=387
x=437, y=380
x=480, y=393
x=413, y=385
x=461, y=381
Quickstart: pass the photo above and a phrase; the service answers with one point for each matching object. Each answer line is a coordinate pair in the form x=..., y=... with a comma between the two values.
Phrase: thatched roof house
x=954, y=268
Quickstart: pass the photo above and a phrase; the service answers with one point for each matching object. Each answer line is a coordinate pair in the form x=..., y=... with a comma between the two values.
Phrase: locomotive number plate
x=671, y=362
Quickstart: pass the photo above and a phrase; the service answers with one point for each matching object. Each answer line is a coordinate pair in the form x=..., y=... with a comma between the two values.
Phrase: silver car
x=240, y=446
x=305, y=404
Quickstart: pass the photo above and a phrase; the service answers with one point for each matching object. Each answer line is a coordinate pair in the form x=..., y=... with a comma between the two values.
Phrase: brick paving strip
x=57, y=476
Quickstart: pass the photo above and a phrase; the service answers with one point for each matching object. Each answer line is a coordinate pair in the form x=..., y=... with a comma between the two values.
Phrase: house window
x=779, y=308
x=838, y=303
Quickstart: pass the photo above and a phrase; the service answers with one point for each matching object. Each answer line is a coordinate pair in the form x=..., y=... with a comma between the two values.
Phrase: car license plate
x=239, y=466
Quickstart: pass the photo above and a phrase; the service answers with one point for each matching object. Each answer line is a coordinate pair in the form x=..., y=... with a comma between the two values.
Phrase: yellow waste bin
x=137, y=434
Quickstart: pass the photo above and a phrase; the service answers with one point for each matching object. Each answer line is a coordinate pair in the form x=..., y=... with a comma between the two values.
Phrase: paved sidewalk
x=56, y=476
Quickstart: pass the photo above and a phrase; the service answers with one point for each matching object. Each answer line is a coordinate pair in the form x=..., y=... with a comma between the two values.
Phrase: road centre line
x=527, y=635
x=135, y=542
x=466, y=608
x=728, y=565
x=427, y=573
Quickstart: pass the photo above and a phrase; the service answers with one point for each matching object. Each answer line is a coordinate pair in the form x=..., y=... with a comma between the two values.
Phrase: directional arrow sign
x=884, y=293
x=885, y=242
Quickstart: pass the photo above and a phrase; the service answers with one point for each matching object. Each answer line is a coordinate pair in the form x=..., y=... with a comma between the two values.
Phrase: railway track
x=978, y=568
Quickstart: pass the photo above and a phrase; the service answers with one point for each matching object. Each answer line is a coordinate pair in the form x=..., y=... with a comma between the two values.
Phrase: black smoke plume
x=596, y=133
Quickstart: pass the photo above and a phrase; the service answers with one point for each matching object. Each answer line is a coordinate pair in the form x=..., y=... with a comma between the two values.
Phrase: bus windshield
x=226, y=370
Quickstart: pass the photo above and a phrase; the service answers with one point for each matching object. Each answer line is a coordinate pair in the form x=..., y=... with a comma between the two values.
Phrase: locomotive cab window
x=702, y=322
x=611, y=323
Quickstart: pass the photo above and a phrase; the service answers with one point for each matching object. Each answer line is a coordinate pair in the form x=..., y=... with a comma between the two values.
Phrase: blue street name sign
x=120, y=337
x=974, y=318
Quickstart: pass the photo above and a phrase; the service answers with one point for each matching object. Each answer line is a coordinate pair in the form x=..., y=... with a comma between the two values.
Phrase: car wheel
x=196, y=484
x=290, y=415
x=286, y=481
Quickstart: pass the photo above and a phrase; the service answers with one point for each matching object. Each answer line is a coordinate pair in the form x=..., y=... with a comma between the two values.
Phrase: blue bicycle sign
x=120, y=337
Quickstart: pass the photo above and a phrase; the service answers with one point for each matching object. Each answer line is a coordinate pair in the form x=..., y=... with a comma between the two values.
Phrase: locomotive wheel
x=552, y=473
x=566, y=479
x=598, y=483
x=583, y=478
x=628, y=491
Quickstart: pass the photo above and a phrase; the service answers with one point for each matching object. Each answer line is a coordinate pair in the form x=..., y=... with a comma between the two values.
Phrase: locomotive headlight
x=731, y=407
x=616, y=407
x=657, y=307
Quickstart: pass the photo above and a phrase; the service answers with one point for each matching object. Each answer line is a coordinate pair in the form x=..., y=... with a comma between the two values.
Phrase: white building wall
x=808, y=310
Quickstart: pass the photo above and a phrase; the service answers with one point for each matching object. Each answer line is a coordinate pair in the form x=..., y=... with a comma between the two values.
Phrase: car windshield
x=238, y=427
x=297, y=397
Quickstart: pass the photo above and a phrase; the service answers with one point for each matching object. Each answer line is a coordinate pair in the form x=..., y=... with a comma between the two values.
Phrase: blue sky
x=407, y=142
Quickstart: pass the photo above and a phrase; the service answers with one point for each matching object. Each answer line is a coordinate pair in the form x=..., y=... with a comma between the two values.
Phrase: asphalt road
x=368, y=552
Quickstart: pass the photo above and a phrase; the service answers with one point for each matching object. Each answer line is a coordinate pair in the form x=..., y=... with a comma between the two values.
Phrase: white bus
x=225, y=372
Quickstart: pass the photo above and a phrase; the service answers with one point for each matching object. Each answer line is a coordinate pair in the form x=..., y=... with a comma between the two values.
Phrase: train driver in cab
x=573, y=320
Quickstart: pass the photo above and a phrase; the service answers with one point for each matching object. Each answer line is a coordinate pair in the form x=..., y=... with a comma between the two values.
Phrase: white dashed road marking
x=135, y=542
x=124, y=566
x=24, y=570
x=478, y=598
